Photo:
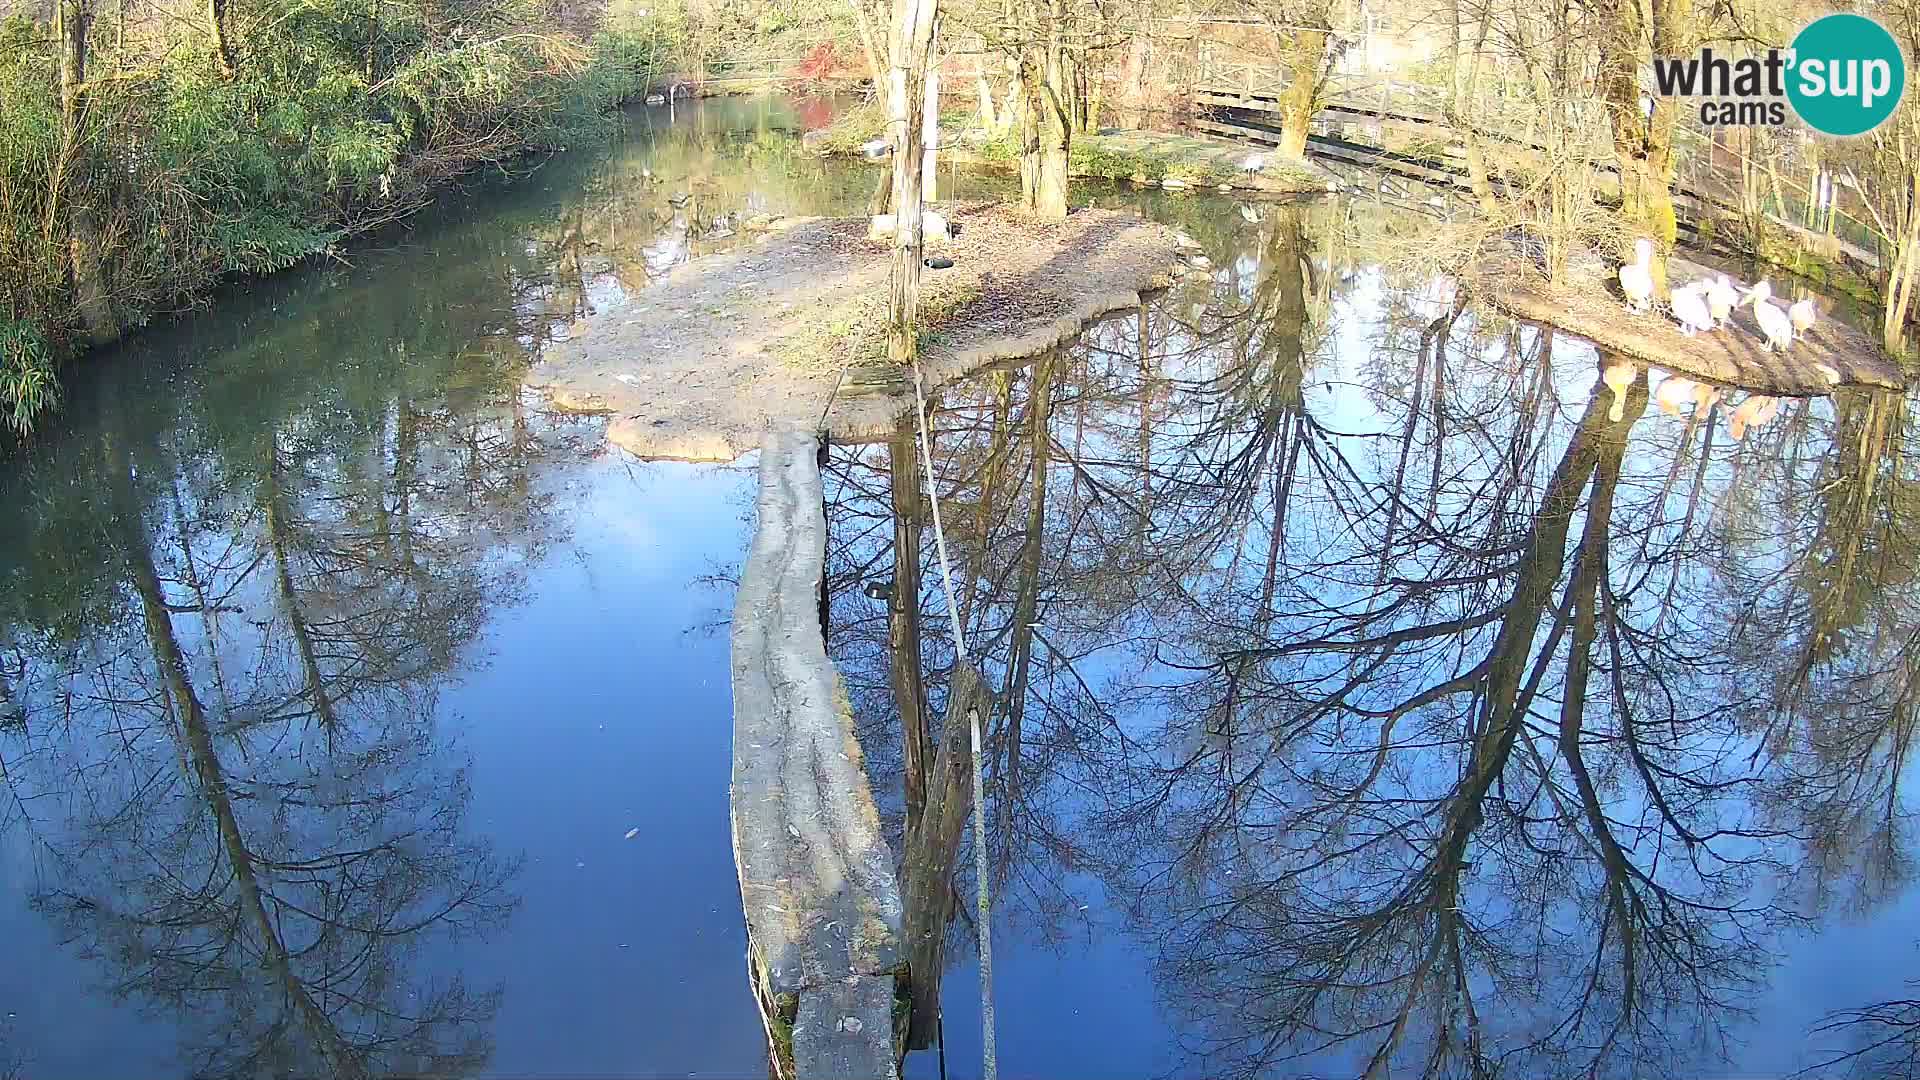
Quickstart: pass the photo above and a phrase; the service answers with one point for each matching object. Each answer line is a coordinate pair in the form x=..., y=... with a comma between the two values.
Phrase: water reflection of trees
x=233, y=618
x=1422, y=717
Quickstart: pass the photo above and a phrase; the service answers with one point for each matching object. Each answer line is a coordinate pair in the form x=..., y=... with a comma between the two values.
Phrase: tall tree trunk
x=276, y=515
x=1643, y=139
x=1903, y=272
x=1461, y=100
x=1133, y=83
x=869, y=44
x=86, y=268
x=223, y=48
x=1306, y=54
x=913, y=47
x=1047, y=124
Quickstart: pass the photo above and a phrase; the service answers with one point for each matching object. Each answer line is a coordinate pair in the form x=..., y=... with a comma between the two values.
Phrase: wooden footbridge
x=1397, y=131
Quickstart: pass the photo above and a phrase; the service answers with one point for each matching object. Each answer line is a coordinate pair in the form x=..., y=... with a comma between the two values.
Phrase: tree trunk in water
x=1306, y=52
x=276, y=521
x=90, y=294
x=931, y=851
x=196, y=735
x=903, y=617
x=1027, y=593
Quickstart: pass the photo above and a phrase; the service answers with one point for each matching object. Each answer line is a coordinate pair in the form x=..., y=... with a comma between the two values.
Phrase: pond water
x=359, y=717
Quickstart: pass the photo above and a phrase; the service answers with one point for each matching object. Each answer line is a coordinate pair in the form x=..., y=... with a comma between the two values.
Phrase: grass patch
x=855, y=334
x=852, y=129
x=867, y=121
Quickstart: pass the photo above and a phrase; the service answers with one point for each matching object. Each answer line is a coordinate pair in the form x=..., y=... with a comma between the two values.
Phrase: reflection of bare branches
x=1462, y=697
x=1886, y=1038
x=275, y=882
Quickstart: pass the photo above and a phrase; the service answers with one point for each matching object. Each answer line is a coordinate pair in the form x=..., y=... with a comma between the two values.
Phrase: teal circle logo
x=1847, y=75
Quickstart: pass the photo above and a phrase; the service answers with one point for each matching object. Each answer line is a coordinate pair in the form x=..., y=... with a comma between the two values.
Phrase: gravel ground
x=698, y=365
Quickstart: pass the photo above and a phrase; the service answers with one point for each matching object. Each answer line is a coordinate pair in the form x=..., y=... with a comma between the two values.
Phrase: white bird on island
x=1773, y=322
x=932, y=223
x=1253, y=164
x=1690, y=307
x=1802, y=314
x=1636, y=278
x=876, y=149
x=1618, y=376
x=1721, y=298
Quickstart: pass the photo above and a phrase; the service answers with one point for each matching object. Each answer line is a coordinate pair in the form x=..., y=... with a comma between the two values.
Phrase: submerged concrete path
x=816, y=875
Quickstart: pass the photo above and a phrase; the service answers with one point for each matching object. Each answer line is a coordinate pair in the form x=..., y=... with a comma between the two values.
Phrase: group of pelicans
x=1708, y=305
x=1700, y=307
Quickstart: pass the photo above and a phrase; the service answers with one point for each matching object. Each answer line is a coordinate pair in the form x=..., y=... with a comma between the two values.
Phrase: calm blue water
x=359, y=716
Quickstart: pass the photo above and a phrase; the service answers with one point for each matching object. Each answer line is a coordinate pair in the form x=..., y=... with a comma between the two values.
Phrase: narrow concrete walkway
x=816, y=876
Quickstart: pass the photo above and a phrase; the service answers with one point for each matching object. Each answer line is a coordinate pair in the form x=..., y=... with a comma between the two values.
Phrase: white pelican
x=932, y=223
x=1720, y=299
x=1773, y=322
x=1618, y=376
x=1636, y=278
x=1690, y=307
x=1801, y=314
x=1674, y=392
